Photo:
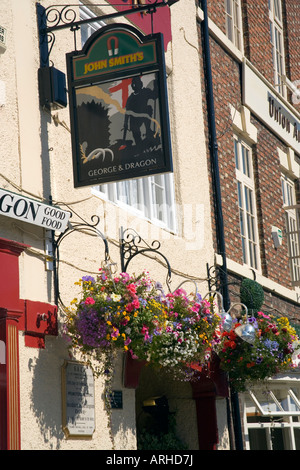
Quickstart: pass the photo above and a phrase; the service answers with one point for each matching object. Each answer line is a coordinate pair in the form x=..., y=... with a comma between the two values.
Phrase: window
x=276, y=33
x=88, y=29
x=150, y=197
x=246, y=203
x=234, y=22
x=272, y=418
x=292, y=226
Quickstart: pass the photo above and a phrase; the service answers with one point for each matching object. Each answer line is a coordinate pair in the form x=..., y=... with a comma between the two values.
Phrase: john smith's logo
x=113, y=50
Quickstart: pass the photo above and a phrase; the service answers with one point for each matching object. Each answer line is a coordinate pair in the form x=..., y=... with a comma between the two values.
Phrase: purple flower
x=91, y=329
x=158, y=286
x=253, y=322
x=271, y=345
x=88, y=279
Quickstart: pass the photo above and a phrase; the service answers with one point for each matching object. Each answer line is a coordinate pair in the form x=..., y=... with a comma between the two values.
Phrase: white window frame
x=87, y=29
x=278, y=53
x=279, y=406
x=233, y=17
x=292, y=224
x=247, y=204
x=151, y=198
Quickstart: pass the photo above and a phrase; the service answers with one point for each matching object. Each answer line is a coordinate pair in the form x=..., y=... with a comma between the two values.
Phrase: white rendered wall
x=36, y=160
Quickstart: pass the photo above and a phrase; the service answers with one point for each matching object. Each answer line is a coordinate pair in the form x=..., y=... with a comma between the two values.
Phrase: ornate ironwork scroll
x=88, y=228
x=132, y=244
x=56, y=17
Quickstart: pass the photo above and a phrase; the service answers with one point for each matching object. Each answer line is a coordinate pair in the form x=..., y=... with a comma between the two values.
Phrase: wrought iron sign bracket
x=132, y=244
x=58, y=17
x=88, y=228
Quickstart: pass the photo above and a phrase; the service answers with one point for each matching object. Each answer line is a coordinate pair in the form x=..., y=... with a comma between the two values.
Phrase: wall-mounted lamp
x=52, y=88
x=277, y=236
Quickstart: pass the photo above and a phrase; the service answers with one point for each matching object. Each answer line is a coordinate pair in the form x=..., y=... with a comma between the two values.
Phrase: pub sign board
x=118, y=107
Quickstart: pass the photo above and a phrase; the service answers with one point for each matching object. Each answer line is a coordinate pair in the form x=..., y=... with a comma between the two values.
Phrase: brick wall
x=273, y=303
x=269, y=204
x=291, y=19
x=257, y=36
x=227, y=90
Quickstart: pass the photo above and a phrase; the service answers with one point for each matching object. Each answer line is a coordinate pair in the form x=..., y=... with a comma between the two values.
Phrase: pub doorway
x=165, y=413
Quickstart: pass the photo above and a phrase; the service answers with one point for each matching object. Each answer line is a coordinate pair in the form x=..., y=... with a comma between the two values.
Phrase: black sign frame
x=95, y=159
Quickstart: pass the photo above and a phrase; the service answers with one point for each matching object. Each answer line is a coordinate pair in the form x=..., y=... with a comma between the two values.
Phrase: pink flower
x=89, y=301
x=133, y=355
x=115, y=332
x=144, y=330
x=129, y=307
x=132, y=289
x=127, y=341
x=132, y=305
x=195, y=308
x=125, y=277
x=261, y=314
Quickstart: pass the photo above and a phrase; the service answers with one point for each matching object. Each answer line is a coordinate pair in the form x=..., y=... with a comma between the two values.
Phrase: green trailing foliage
x=153, y=440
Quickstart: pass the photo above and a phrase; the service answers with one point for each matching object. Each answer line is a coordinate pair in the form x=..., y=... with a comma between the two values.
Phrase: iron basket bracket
x=132, y=244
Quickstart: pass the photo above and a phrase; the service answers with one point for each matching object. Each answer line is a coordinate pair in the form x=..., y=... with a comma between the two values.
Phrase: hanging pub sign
x=118, y=107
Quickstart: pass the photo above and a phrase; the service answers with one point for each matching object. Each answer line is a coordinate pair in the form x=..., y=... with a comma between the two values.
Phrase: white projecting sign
x=31, y=211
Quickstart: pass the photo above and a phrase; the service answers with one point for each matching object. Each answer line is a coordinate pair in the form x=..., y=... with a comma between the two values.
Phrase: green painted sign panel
x=112, y=52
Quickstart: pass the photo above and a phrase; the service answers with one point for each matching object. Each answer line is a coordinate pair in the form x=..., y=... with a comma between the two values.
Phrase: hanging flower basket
x=132, y=314
x=270, y=353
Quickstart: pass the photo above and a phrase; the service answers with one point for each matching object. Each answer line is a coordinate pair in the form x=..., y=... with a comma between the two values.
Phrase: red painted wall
x=161, y=18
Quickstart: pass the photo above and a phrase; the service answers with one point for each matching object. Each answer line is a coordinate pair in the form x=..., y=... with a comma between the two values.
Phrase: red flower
x=132, y=289
x=129, y=307
x=230, y=344
x=136, y=303
x=132, y=305
x=232, y=335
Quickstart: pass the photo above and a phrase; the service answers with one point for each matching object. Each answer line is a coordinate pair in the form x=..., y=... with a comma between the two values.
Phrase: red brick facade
x=227, y=87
